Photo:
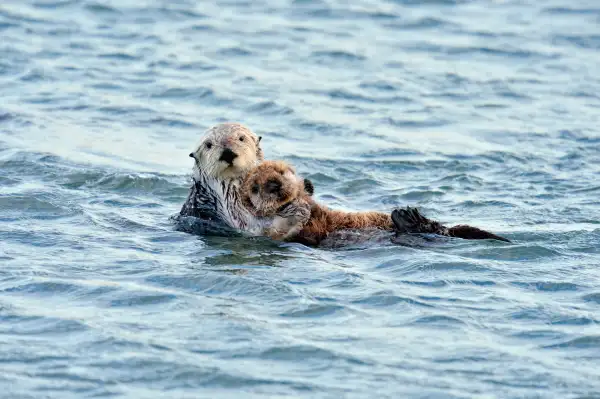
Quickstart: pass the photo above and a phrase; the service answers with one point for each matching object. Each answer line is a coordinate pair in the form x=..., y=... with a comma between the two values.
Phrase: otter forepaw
x=407, y=220
x=309, y=187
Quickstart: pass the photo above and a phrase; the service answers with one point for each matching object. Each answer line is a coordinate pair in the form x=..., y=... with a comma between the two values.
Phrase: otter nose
x=228, y=156
x=272, y=186
x=226, y=141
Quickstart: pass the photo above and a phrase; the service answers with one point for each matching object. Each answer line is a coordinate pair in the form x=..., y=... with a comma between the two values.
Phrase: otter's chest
x=221, y=201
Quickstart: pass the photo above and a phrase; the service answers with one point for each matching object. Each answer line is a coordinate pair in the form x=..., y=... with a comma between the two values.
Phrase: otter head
x=271, y=185
x=227, y=151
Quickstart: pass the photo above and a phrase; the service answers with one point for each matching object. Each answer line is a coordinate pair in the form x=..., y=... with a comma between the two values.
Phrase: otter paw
x=309, y=187
x=408, y=220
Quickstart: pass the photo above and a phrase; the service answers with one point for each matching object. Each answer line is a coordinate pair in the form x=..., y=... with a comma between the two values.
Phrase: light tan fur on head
x=227, y=151
x=269, y=186
x=272, y=189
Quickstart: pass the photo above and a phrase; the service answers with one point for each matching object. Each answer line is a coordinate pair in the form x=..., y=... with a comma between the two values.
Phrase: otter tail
x=410, y=220
x=473, y=233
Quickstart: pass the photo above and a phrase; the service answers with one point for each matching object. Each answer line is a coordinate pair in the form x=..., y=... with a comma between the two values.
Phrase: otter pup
x=274, y=189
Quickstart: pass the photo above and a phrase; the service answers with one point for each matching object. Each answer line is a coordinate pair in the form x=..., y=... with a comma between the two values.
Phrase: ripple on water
x=228, y=285
x=15, y=207
x=39, y=326
x=585, y=342
x=549, y=286
x=317, y=311
x=385, y=300
x=439, y=321
x=595, y=297
x=130, y=298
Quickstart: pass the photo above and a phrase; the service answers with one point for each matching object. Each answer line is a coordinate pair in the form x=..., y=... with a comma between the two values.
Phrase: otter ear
x=309, y=187
x=259, y=153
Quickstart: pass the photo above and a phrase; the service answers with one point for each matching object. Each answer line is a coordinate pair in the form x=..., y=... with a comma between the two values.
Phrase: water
x=480, y=112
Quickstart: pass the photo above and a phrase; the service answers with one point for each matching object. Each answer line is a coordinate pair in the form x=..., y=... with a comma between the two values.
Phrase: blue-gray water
x=482, y=112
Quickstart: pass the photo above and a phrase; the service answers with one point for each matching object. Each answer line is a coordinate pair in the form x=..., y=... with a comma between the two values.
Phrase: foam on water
x=480, y=112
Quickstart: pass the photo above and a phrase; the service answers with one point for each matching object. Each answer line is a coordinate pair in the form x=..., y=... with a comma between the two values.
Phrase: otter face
x=227, y=151
x=269, y=186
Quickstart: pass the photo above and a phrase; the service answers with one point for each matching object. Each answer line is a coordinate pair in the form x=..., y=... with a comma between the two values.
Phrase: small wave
x=39, y=326
x=515, y=52
x=293, y=352
x=416, y=122
x=230, y=285
x=358, y=185
x=585, y=342
x=548, y=286
x=128, y=183
x=572, y=11
x=175, y=93
x=420, y=23
x=14, y=207
x=385, y=300
x=432, y=2
x=595, y=297
x=270, y=108
x=591, y=42
x=98, y=8
x=54, y=4
x=132, y=299
x=573, y=321
x=438, y=320
x=173, y=123
x=315, y=311
x=337, y=56
x=235, y=52
x=422, y=195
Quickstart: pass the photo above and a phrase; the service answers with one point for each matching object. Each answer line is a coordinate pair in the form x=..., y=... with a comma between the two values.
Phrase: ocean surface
x=476, y=111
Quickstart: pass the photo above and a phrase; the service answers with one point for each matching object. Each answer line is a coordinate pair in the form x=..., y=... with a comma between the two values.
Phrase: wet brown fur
x=324, y=221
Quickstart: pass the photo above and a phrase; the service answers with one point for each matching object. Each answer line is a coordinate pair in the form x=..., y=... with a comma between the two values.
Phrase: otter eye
x=208, y=145
x=242, y=138
x=255, y=188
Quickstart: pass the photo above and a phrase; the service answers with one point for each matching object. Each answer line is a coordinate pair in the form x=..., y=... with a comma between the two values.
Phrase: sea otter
x=272, y=189
x=222, y=158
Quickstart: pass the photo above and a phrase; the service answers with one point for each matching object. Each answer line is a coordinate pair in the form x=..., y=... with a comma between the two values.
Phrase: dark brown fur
x=324, y=221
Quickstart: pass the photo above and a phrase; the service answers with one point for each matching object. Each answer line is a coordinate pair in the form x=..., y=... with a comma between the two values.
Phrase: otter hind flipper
x=473, y=233
x=410, y=220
